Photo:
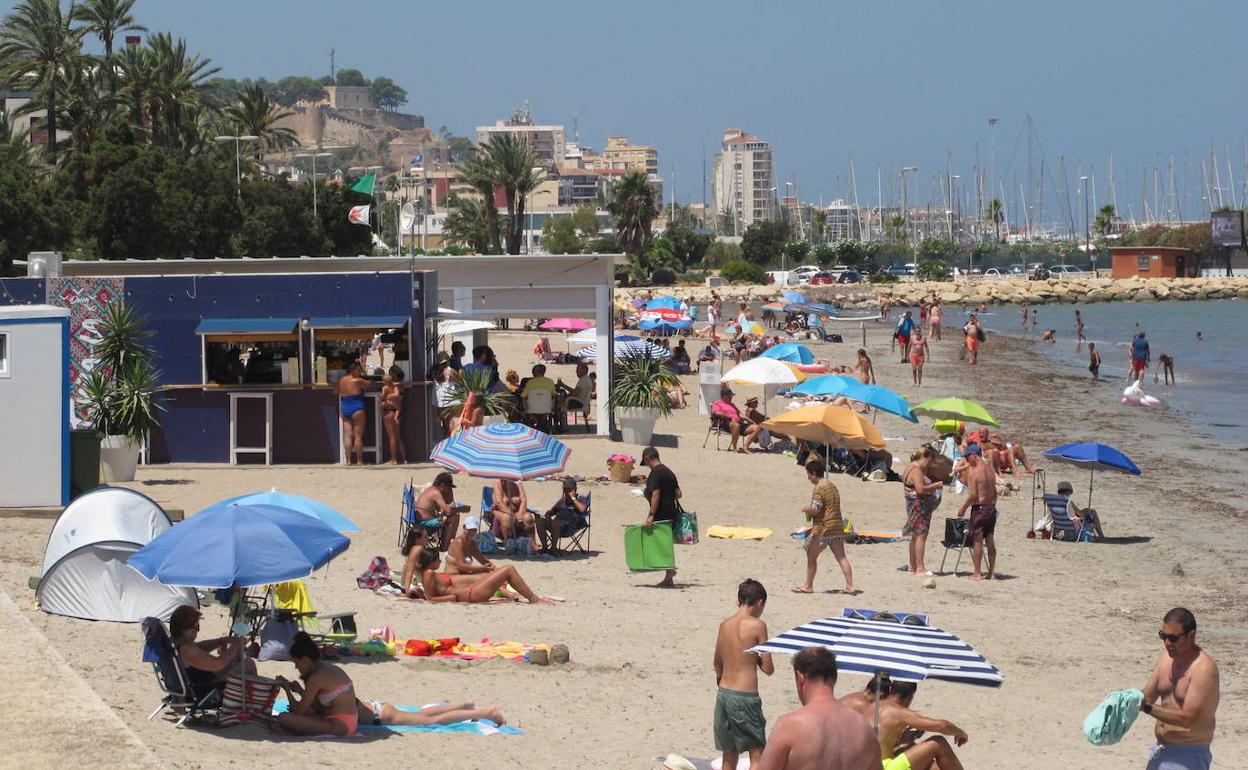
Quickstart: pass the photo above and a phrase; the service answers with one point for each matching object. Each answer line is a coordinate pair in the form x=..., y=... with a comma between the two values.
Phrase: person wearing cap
x=566, y=515
x=463, y=556
x=662, y=495
x=1085, y=516
x=981, y=499
x=436, y=507
x=727, y=416
x=755, y=432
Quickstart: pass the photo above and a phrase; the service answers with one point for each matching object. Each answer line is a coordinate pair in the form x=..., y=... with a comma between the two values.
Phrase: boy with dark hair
x=740, y=727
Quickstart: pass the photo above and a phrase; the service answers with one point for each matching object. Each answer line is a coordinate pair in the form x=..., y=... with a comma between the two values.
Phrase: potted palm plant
x=639, y=395
x=119, y=393
x=478, y=381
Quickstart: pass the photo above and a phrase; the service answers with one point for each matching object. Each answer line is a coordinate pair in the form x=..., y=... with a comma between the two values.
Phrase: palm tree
x=104, y=19
x=15, y=146
x=138, y=86
x=84, y=109
x=479, y=174
x=634, y=208
x=178, y=80
x=465, y=224
x=996, y=215
x=256, y=114
x=1105, y=220
x=36, y=43
x=514, y=164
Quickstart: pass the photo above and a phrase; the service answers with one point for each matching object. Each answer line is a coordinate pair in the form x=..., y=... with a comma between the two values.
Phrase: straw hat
x=677, y=762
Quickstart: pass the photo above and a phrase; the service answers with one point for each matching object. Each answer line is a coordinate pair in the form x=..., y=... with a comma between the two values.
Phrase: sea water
x=1211, y=390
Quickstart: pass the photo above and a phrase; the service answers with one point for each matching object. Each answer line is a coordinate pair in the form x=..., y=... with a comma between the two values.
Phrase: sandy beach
x=1066, y=624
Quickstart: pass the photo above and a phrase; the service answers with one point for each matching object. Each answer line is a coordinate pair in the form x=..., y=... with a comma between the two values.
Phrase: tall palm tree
x=515, y=165
x=36, y=42
x=465, y=224
x=1105, y=220
x=178, y=80
x=996, y=215
x=104, y=19
x=256, y=114
x=84, y=109
x=138, y=85
x=634, y=208
x=479, y=174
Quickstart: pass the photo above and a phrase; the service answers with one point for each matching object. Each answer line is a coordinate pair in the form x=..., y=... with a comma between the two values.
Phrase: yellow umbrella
x=836, y=426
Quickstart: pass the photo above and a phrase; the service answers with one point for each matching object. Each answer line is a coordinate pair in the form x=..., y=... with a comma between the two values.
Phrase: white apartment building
x=744, y=181
x=549, y=143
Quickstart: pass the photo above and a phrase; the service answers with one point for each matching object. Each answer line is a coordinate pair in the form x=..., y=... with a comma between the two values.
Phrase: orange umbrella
x=836, y=426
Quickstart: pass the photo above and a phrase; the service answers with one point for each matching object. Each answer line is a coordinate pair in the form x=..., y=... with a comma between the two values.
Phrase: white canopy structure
x=85, y=574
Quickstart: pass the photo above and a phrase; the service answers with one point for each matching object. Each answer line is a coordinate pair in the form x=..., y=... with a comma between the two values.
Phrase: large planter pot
x=119, y=457
x=637, y=424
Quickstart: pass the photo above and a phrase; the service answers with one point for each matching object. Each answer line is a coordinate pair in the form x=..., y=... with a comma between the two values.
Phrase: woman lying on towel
x=475, y=589
x=325, y=704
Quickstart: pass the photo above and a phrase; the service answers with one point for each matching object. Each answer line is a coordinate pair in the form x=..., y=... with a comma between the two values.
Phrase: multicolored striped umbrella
x=637, y=347
x=504, y=450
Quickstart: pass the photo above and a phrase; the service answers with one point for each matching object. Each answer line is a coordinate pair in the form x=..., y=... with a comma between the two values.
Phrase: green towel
x=1110, y=721
x=653, y=550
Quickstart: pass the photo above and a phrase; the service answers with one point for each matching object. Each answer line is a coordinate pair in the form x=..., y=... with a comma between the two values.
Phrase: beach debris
x=929, y=583
x=559, y=654
x=1177, y=570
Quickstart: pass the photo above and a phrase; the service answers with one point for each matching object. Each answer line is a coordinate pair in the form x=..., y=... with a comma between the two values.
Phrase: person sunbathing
x=1004, y=455
x=472, y=589
x=210, y=661
x=375, y=712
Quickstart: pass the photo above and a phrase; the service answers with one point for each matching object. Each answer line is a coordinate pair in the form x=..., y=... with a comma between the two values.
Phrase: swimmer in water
x=1094, y=361
x=1035, y=318
x=1166, y=368
x=1079, y=327
x=1200, y=337
x=1050, y=335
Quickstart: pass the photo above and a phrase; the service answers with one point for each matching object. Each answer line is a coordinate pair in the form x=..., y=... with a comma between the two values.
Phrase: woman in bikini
x=471, y=589
x=325, y=703
x=920, y=502
x=391, y=413
x=866, y=372
x=511, y=508
x=351, y=390
x=472, y=416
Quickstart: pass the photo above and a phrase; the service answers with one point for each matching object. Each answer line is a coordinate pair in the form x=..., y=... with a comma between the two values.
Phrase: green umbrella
x=955, y=409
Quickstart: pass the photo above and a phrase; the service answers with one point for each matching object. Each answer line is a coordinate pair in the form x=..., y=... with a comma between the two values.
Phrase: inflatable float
x=1134, y=395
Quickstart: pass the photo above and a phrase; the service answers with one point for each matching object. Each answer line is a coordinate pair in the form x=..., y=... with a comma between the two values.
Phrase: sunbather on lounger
x=475, y=589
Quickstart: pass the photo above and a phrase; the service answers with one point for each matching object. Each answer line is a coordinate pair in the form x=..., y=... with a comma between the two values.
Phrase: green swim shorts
x=739, y=722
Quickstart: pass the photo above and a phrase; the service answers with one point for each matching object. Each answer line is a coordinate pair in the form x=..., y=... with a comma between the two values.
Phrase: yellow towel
x=738, y=533
x=292, y=595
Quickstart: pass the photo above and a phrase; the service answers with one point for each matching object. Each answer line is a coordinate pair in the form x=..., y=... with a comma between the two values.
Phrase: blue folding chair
x=407, y=512
x=180, y=695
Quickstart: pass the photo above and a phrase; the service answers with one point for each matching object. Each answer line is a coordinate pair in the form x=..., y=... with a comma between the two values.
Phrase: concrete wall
x=34, y=413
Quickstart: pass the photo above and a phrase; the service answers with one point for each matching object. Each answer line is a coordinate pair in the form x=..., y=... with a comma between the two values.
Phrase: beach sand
x=1066, y=624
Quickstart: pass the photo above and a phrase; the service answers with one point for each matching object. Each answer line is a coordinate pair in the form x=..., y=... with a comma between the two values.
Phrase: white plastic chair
x=539, y=406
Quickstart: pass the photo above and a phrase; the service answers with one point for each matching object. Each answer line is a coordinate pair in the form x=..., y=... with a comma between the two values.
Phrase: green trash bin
x=84, y=461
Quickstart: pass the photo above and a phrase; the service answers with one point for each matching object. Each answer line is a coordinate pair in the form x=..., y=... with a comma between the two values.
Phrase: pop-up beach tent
x=85, y=574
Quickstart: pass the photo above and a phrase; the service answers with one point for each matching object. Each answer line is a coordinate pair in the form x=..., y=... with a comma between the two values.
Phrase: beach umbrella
x=665, y=328
x=763, y=371
x=955, y=409
x=836, y=426
x=503, y=450
x=635, y=347
x=818, y=308
x=1094, y=457
x=775, y=307
x=662, y=314
x=458, y=326
x=590, y=336
x=666, y=302
x=795, y=297
x=793, y=352
x=865, y=641
x=566, y=325
x=242, y=545
x=750, y=327
x=881, y=398
x=825, y=385
x=299, y=504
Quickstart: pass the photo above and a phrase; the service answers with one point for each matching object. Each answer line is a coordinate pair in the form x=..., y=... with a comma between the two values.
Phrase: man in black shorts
x=981, y=498
x=662, y=492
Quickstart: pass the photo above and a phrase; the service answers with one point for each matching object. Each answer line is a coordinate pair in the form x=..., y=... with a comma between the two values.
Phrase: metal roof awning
x=246, y=326
x=359, y=322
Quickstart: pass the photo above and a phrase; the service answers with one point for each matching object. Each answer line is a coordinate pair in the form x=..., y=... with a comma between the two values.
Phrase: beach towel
x=1109, y=721
x=377, y=574
x=480, y=727
x=647, y=551
x=734, y=532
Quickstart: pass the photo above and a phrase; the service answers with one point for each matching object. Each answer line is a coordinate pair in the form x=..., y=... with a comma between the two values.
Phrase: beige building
x=744, y=181
x=630, y=157
x=549, y=143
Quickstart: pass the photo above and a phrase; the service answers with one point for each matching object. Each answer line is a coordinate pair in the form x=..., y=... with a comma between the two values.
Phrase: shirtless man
x=896, y=718
x=1182, y=695
x=463, y=557
x=824, y=734
x=740, y=727
x=981, y=498
x=437, y=509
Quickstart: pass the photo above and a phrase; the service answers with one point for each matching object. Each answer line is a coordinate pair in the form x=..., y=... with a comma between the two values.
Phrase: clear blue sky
x=895, y=82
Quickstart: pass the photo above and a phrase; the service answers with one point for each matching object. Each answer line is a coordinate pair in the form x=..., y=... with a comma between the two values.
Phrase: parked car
x=849, y=276
x=898, y=271
x=803, y=273
x=1017, y=270
x=990, y=271
x=822, y=278
x=1065, y=271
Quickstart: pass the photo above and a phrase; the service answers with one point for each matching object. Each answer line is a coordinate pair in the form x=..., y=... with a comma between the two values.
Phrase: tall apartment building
x=630, y=157
x=744, y=181
x=549, y=143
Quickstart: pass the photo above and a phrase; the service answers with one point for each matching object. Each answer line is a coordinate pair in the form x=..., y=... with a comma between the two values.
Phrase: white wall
x=32, y=415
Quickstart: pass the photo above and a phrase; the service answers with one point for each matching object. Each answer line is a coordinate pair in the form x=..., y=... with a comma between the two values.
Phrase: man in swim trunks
x=351, y=390
x=1094, y=361
x=1140, y=357
x=981, y=498
x=896, y=719
x=740, y=727
x=1182, y=695
x=437, y=509
x=904, y=327
x=972, y=331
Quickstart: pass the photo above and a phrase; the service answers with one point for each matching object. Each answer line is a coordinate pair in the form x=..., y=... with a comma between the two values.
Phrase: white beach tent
x=85, y=574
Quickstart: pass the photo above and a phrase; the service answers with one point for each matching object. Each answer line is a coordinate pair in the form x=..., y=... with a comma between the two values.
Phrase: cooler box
x=653, y=550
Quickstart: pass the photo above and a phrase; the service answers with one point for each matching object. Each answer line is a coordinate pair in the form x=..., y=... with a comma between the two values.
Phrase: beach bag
x=980, y=334
x=686, y=530
x=247, y=698
x=276, y=637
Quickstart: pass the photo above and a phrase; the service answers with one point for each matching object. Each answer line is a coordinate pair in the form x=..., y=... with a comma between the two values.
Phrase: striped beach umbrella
x=630, y=348
x=909, y=649
x=504, y=450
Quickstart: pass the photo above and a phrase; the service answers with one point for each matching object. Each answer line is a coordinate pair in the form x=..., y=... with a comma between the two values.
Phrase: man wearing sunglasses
x=1182, y=696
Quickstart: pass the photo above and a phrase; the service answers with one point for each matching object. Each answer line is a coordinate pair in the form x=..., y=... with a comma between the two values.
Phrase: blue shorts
x=432, y=525
x=1177, y=756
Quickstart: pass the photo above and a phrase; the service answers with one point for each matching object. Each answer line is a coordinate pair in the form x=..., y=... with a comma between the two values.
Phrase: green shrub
x=740, y=271
x=883, y=278
x=663, y=276
x=933, y=270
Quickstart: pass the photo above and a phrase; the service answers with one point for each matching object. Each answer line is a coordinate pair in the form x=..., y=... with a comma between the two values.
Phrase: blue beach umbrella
x=819, y=308
x=881, y=398
x=243, y=545
x=793, y=352
x=794, y=297
x=299, y=504
x=505, y=450
x=663, y=303
x=664, y=328
x=825, y=385
x=1094, y=457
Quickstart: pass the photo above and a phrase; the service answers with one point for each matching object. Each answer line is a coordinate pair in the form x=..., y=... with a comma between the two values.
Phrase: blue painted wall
x=23, y=291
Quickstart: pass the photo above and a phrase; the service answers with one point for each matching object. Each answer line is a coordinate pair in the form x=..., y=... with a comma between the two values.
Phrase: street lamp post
x=905, y=214
x=237, y=139
x=313, y=156
x=1087, y=227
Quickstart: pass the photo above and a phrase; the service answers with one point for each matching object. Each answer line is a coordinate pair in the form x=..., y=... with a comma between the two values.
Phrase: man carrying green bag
x=662, y=493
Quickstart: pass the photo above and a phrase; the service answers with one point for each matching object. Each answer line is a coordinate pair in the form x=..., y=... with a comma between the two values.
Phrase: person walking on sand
x=1182, y=695
x=1094, y=361
x=972, y=331
x=740, y=727
x=662, y=492
x=1165, y=367
x=826, y=528
x=904, y=327
x=934, y=314
x=921, y=500
x=1140, y=357
x=824, y=734
x=981, y=498
x=918, y=354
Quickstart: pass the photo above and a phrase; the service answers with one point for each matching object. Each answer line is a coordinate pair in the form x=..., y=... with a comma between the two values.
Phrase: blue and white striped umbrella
x=504, y=450
x=636, y=348
x=910, y=653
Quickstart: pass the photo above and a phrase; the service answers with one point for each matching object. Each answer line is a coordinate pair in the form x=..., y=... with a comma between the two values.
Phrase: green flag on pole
x=365, y=184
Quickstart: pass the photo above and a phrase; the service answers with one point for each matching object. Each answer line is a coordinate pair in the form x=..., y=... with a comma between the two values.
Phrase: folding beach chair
x=324, y=627
x=578, y=538
x=545, y=354
x=489, y=521
x=180, y=696
x=409, y=518
x=957, y=535
x=719, y=428
x=1064, y=528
